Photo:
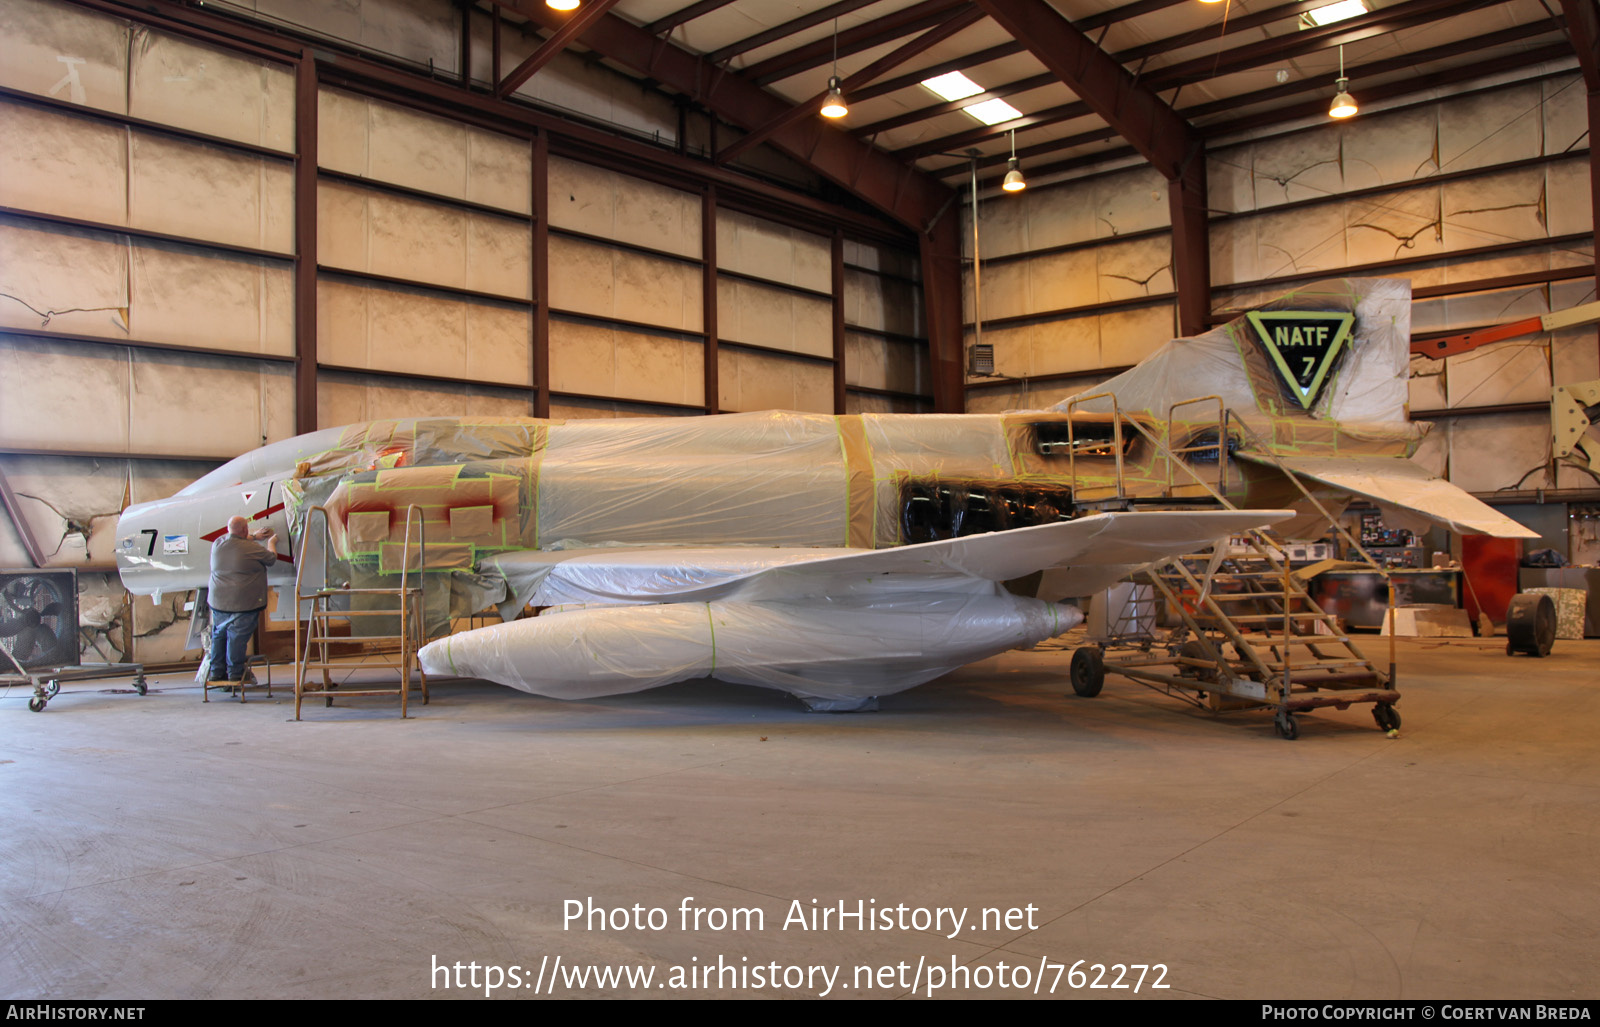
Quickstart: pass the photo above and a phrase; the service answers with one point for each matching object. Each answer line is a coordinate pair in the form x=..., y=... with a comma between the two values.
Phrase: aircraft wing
x=1402, y=484
x=691, y=575
x=833, y=626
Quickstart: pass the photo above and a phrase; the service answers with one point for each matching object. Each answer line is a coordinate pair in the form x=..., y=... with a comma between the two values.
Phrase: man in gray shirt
x=237, y=593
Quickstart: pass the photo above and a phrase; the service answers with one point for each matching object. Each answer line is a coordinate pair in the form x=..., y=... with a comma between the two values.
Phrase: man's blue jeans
x=230, y=637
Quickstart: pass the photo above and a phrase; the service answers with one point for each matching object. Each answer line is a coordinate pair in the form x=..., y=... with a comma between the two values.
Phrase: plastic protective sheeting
x=1403, y=485
x=1369, y=383
x=838, y=625
x=831, y=651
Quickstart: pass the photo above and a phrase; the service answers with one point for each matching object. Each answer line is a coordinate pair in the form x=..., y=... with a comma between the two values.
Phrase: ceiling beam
x=1110, y=90
x=951, y=106
x=1309, y=109
x=1159, y=46
x=1295, y=44
x=668, y=22
x=994, y=53
x=894, y=85
x=851, y=41
x=1175, y=76
x=907, y=195
x=872, y=71
x=1305, y=85
x=788, y=28
x=576, y=23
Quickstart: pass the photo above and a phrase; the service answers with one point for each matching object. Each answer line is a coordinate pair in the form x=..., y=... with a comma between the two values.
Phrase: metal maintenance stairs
x=328, y=605
x=1258, y=637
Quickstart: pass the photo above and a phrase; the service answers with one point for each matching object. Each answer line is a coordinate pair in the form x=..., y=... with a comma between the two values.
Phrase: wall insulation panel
x=75, y=395
x=748, y=381
x=106, y=285
x=887, y=304
x=372, y=139
x=209, y=193
x=880, y=363
x=1029, y=395
x=582, y=86
x=419, y=31
x=54, y=163
x=401, y=237
x=608, y=205
x=65, y=52
x=598, y=360
x=777, y=318
x=347, y=399
x=873, y=257
x=185, y=84
x=603, y=281
x=59, y=495
x=569, y=408
x=395, y=328
x=867, y=403
x=776, y=253
x=1101, y=208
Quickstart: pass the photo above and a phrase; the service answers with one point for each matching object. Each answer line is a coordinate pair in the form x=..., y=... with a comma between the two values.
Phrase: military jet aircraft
x=834, y=557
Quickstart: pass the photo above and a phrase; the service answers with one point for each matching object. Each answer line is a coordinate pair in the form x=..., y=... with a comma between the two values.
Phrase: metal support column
x=305, y=244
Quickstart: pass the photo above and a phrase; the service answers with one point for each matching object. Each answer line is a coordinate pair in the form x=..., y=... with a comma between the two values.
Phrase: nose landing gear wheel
x=1088, y=672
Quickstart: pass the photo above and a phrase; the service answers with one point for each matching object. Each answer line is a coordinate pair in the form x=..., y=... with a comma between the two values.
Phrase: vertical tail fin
x=1332, y=350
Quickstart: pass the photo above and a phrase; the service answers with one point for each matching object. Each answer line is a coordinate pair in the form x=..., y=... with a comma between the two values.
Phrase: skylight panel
x=993, y=112
x=953, y=85
x=1334, y=12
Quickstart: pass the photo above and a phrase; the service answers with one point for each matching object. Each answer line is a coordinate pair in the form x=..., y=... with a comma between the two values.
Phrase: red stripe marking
x=268, y=512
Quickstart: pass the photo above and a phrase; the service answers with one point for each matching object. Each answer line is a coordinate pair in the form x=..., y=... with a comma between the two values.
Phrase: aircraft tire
x=1088, y=672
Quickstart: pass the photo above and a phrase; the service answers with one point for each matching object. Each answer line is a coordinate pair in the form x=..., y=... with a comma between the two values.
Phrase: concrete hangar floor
x=157, y=847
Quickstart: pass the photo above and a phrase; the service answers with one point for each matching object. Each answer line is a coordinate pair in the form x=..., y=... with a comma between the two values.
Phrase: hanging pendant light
x=1014, y=182
x=833, y=105
x=561, y=5
x=1344, y=105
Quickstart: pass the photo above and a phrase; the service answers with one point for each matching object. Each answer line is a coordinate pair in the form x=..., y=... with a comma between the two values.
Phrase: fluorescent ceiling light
x=993, y=112
x=1336, y=12
x=953, y=86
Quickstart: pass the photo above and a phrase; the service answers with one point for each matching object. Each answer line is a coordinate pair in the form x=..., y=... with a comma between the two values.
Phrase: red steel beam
x=1414, y=12
x=893, y=59
x=1309, y=85
x=940, y=251
x=671, y=21
x=851, y=41
x=1109, y=89
x=1159, y=46
x=788, y=28
x=305, y=244
x=1583, y=28
x=905, y=194
x=581, y=19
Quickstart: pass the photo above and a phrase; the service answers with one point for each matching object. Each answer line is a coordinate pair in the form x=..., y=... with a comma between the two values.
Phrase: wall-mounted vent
x=980, y=359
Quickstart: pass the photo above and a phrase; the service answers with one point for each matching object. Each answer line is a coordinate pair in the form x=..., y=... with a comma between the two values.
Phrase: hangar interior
x=223, y=224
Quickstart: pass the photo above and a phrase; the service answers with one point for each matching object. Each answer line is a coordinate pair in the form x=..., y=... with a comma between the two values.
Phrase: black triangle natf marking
x=1304, y=345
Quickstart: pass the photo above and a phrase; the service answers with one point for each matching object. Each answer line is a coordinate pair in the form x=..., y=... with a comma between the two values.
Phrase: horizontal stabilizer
x=1396, y=482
